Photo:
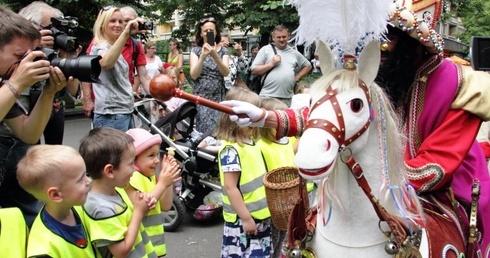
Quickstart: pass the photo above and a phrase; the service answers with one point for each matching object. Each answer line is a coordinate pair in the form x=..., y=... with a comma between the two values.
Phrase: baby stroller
x=200, y=190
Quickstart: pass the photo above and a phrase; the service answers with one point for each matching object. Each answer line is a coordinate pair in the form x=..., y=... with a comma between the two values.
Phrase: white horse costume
x=347, y=224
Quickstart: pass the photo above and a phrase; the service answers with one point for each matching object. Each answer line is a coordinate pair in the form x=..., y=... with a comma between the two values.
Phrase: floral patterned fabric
x=210, y=85
x=236, y=244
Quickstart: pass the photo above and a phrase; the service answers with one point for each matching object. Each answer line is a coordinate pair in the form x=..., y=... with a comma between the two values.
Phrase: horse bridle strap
x=397, y=227
x=331, y=128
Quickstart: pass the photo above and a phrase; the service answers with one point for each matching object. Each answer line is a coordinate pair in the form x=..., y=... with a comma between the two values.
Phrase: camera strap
x=136, y=51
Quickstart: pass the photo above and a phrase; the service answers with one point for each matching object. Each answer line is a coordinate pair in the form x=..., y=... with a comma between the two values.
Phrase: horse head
x=339, y=112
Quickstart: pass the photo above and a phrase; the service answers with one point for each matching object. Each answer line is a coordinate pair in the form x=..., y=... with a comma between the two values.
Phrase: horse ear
x=326, y=58
x=368, y=64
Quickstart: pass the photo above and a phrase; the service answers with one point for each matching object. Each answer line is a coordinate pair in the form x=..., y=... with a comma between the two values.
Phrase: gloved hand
x=256, y=116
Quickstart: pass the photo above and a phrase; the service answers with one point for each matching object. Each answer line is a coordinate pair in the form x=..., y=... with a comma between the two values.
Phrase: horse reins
x=331, y=128
x=398, y=228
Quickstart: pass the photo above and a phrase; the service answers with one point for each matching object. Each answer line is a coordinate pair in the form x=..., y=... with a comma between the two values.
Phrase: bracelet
x=13, y=90
x=261, y=116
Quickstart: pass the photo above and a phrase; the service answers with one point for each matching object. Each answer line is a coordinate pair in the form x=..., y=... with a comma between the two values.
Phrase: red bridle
x=328, y=126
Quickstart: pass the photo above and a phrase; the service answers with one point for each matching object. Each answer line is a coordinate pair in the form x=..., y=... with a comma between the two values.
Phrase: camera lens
x=67, y=43
x=84, y=68
x=145, y=25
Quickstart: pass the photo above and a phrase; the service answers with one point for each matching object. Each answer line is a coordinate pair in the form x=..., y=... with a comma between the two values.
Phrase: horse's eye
x=356, y=105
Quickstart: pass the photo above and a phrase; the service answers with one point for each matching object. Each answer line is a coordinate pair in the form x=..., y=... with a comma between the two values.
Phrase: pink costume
x=442, y=122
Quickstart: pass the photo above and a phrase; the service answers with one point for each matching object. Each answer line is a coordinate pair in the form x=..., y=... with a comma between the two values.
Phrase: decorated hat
x=346, y=26
x=143, y=139
x=418, y=18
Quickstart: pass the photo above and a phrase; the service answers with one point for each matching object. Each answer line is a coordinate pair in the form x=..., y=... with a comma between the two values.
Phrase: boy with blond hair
x=56, y=175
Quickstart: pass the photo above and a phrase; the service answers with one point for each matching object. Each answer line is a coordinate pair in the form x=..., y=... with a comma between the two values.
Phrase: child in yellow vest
x=114, y=218
x=277, y=153
x=247, y=229
x=147, y=148
x=56, y=175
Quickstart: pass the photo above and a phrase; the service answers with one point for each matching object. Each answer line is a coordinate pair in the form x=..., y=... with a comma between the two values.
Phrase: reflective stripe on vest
x=250, y=185
x=154, y=220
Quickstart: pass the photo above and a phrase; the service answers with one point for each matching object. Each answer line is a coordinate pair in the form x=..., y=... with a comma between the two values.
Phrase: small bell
x=295, y=253
x=384, y=46
x=308, y=253
x=390, y=248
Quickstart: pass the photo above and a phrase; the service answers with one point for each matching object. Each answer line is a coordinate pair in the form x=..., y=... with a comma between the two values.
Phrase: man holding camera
x=42, y=15
x=21, y=67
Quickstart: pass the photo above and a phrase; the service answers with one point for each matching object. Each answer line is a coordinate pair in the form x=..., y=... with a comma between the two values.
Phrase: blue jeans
x=11, y=194
x=121, y=122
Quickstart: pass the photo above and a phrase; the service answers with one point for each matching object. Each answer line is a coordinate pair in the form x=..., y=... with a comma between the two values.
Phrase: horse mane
x=396, y=195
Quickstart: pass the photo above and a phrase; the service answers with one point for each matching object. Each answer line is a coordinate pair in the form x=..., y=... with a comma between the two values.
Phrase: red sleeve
x=290, y=122
x=141, y=58
x=485, y=146
x=443, y=151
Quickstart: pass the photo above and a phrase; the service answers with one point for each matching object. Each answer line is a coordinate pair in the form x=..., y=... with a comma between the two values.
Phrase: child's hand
x=140, y=203
x=170, y=172
x=249, y=227
x=150, y=200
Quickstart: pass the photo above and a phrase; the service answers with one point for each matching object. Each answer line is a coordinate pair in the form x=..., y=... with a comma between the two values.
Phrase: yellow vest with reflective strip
x=251, y=185
x=13, y=233
x=114, y=229
x=278, y=155
x=153, y=221
x=43, y=241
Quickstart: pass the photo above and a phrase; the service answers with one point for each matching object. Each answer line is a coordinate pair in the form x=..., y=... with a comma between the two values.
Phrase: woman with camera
x=113, y=95
x=209, y=65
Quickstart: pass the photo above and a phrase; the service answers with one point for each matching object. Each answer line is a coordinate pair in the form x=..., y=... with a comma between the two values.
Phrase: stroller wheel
x=175, y=216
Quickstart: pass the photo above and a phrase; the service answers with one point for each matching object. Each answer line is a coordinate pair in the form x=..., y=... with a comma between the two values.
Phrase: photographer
x=21, y=67
x=40, y=15
x=113, y=94
x=134, y=55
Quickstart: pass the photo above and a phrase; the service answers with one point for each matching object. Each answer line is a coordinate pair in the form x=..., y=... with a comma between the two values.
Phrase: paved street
x=192, y=239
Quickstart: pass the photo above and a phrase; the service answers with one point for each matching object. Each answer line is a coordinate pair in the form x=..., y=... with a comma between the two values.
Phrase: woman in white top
x=154, y=64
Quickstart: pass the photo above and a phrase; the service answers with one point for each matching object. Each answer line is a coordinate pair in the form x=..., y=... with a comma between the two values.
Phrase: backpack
x=257, y=82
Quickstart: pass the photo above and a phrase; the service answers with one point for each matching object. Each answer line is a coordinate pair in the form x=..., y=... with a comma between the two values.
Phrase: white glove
x=254, y=113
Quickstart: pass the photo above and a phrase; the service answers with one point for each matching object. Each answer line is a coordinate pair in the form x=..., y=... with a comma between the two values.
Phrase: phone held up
x=210, y=37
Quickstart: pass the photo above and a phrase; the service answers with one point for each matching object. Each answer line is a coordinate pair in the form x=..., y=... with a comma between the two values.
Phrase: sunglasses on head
x=209, y=19
x=109, y=7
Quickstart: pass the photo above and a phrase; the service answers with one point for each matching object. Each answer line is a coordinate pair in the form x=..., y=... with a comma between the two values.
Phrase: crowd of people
x=106, y=199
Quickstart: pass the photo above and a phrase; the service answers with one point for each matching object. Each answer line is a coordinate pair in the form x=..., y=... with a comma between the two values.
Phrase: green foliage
x=189, y=82
x=162, y=49
x=475, y=15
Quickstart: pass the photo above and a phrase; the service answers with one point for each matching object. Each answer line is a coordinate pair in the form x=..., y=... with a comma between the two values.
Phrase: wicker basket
x=282, y=191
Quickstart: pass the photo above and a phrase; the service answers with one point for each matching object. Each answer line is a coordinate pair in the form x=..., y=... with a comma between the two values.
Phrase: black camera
x=84, y=68
x=147, y=25
x=480, y=53
x=63, y=31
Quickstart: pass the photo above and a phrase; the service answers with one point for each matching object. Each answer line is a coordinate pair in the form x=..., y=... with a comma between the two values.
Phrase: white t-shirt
x=152, y=68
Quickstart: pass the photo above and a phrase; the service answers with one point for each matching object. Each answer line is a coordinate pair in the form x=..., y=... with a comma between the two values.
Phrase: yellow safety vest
x=43, y=241
x=13, y=233
x=278, y=155
x=114, y=229
x=154, y=220
x=250, y=184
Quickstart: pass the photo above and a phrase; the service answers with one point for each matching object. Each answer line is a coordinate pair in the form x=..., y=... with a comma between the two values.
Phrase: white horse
x=351, y=121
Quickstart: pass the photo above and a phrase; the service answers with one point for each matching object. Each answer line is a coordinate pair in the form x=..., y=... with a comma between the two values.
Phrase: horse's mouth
x=315, y=172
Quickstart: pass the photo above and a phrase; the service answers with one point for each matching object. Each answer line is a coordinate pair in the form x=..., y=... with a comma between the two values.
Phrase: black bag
x=257, y=82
